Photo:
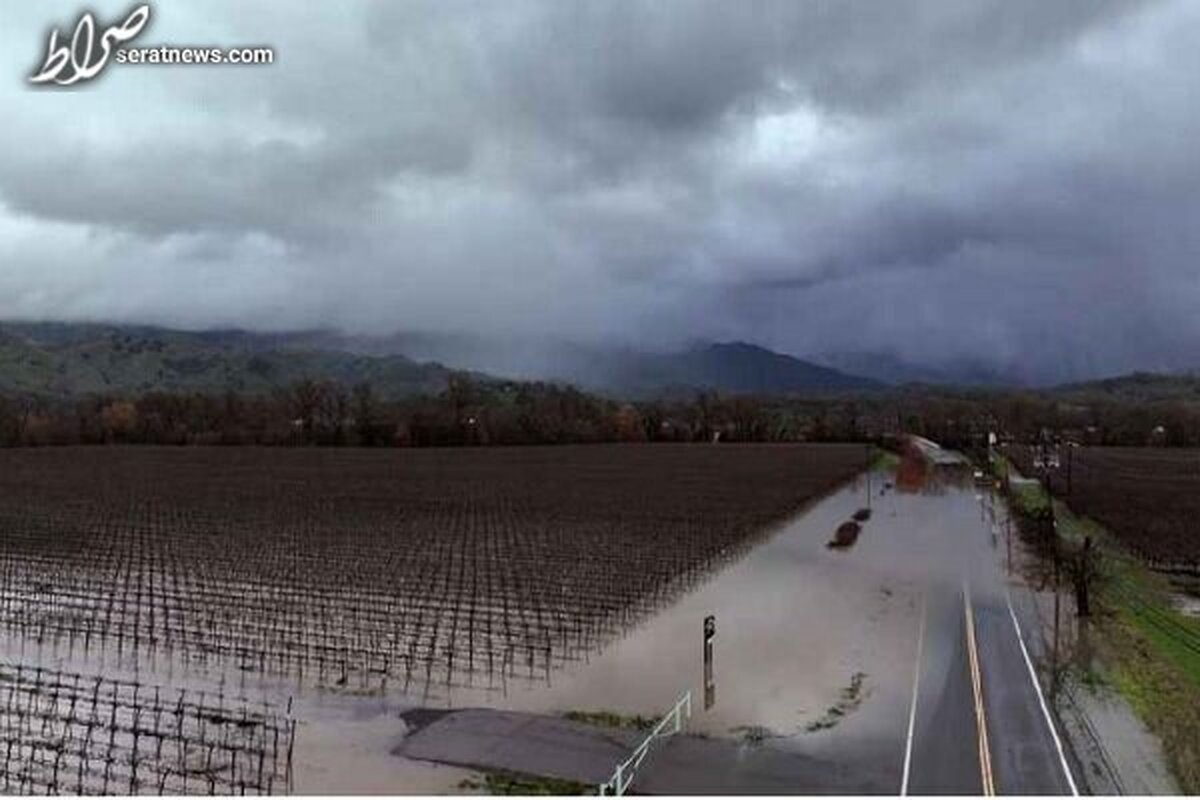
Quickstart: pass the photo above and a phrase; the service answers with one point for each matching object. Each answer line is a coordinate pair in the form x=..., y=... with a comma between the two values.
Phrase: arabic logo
x=88, y=53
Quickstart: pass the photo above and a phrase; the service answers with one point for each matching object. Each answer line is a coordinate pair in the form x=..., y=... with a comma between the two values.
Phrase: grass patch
x=755, y=734
x=1140, y=597
x=849, y=699
x=1171, y=635
x=611, y=719
x=1029, y=499
x=1145, y=647
x=516, y=783
x=1093, y=678
x=885, y=459
x=1162, y=694
x=998, y=467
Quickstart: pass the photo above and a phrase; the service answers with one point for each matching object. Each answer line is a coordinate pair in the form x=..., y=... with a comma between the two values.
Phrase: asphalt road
x=943, y=739
x=980, y=723
x=977, y=726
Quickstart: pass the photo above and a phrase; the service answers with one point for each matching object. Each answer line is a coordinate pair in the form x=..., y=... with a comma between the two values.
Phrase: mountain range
x=896, y=371
x=71, y=359
x=63, y=360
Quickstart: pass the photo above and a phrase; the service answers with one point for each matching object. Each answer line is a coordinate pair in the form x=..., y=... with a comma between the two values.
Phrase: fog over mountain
x=1009, y=184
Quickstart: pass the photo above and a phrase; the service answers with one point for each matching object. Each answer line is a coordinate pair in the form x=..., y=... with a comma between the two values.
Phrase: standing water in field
x=357, y=583
x=815, y=647
x=813, y=651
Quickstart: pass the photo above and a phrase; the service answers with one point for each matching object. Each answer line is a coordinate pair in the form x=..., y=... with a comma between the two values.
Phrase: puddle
x=1187, y=604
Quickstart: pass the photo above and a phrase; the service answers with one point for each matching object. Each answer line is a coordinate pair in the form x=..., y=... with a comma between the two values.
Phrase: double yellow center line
x=985, y=755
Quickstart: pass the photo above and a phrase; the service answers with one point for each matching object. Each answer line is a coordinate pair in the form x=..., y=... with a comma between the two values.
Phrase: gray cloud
x=1001, y=181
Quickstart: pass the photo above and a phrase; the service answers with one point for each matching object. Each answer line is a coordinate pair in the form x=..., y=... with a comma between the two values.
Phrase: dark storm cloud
x=1005, y=181
x=281, y=188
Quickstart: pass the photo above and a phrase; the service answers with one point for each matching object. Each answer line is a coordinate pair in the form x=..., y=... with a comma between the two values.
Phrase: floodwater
x=795, y=622
x=1187, y=600
x=815, y=647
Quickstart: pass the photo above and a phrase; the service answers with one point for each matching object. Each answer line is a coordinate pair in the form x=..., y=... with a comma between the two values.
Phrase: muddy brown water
x=814, y=647
x=800, y=627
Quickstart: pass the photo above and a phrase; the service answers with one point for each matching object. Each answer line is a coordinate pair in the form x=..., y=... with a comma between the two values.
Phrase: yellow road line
x=985, y=756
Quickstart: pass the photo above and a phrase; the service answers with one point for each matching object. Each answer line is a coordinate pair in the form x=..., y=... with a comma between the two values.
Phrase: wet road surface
x=979, y=721
x=980, y=726
x=897, y=658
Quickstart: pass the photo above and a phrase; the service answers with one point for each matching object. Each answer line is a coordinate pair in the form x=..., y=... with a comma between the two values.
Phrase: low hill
x=735, y=367
x=896, y=371
x=64, y=361
x=1138, y=387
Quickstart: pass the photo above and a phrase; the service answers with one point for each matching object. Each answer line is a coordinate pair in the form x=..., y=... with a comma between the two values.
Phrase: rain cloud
x=1011, y=182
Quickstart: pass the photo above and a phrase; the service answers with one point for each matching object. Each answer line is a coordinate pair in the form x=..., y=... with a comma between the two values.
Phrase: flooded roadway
x=891, y=666
x=896, y=660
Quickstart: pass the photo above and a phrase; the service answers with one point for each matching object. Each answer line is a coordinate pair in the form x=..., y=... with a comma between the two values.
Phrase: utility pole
x=1070, y=458
x=1052, y=531
x=1008, y=537
x=1057, y=602
x=1083, y=579
x=870, y=452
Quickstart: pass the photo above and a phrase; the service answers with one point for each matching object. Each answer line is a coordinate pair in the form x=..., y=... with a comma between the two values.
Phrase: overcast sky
x=1014, y=181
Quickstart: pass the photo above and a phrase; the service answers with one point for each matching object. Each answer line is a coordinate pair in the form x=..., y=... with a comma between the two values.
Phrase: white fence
x=669, y=725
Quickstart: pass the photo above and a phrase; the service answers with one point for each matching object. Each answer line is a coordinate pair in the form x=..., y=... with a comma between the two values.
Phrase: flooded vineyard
x=67, y=733
x=376, y=573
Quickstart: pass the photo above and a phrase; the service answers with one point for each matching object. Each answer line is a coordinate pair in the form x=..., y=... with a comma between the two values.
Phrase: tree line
x=467, y=412
x=476, y=412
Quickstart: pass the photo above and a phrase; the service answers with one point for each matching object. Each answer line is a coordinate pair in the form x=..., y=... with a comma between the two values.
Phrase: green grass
x=1075, y=529
x=885, y=459
x=1141, y=667
x=1141, y=639
x=515, y=783
x=849, y=699
x=1139, y=596
x=611, y=719
x=1186, y=659
x=1029, y=498
x=1142, y=601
